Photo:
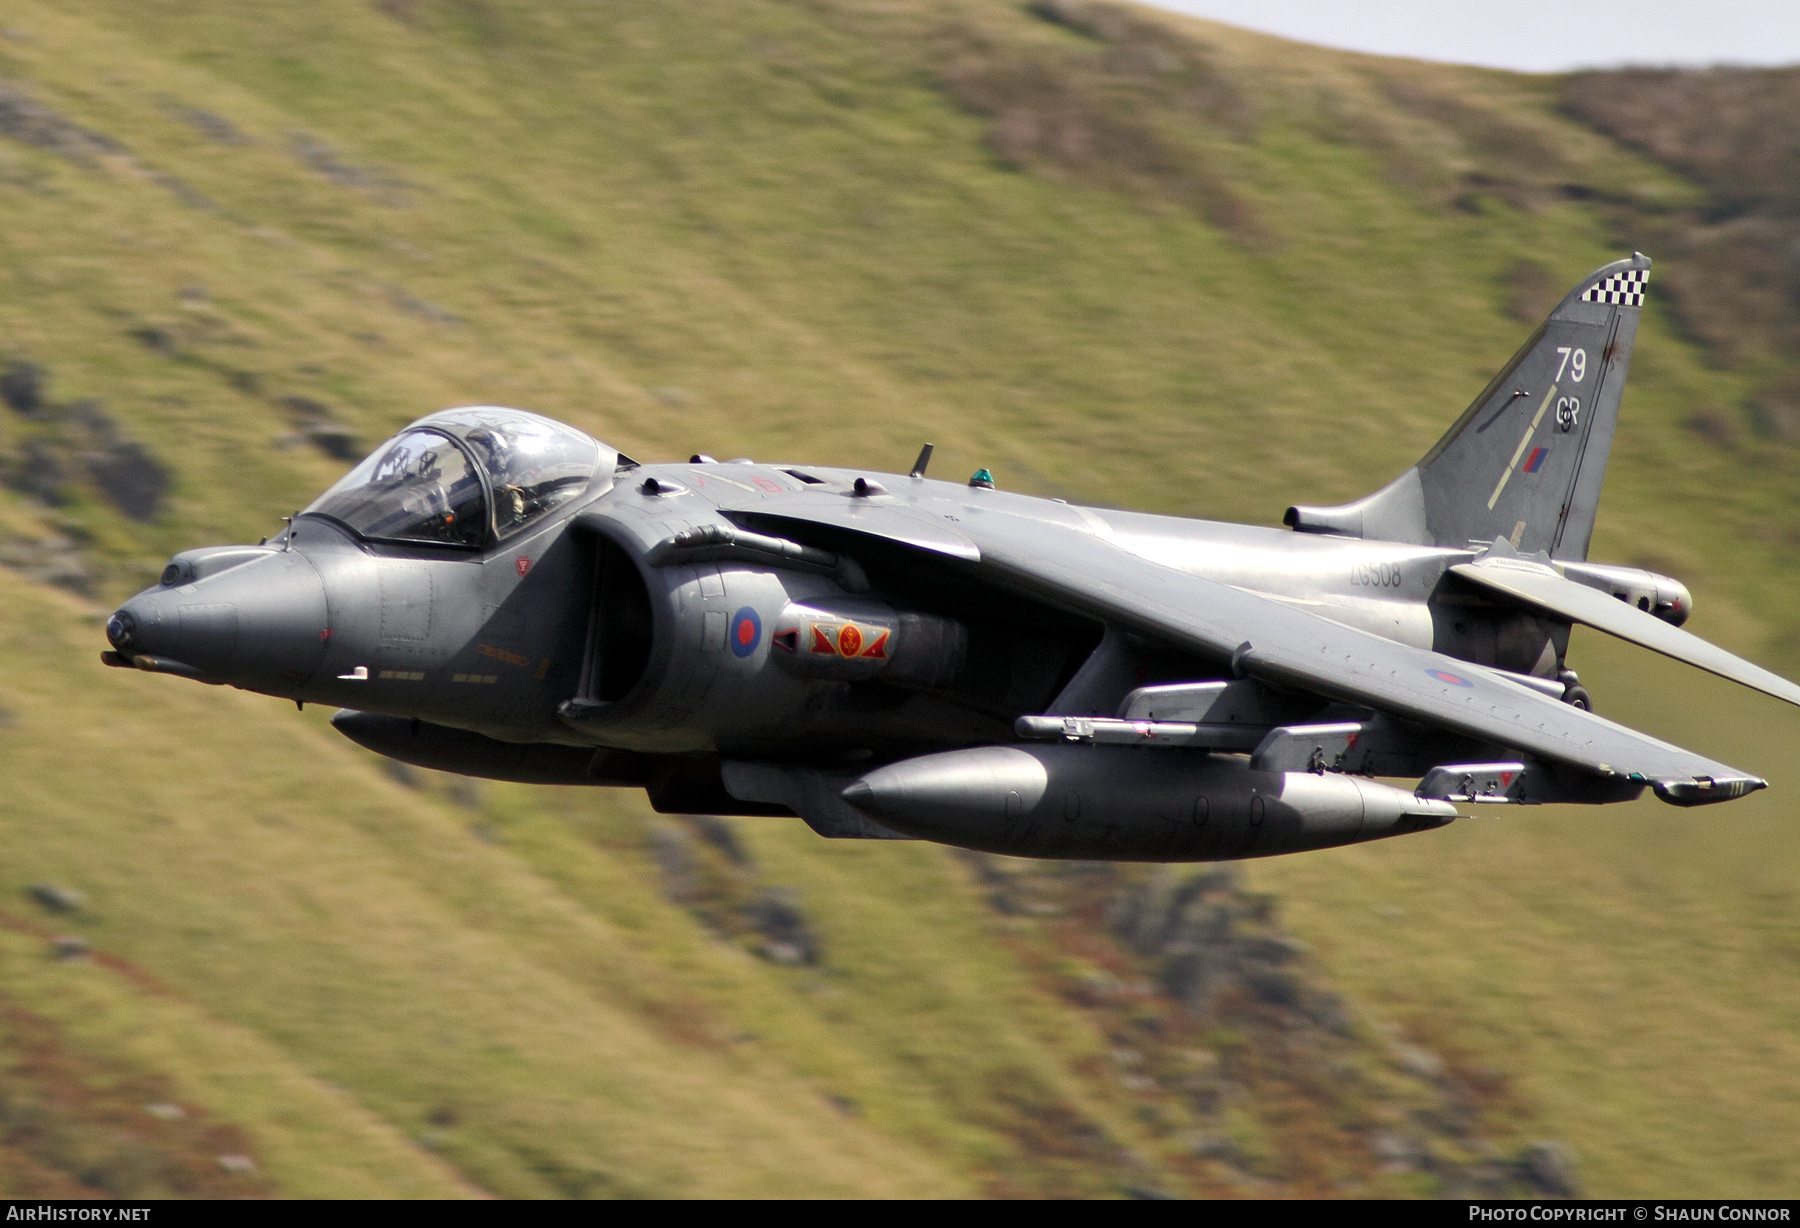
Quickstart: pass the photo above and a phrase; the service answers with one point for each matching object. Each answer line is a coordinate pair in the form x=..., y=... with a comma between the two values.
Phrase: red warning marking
x=788, y=641
x=849, y=640
x=523, y=564
x=325, y=634
x=822, y=642
x=878, y=650
x=773, y=487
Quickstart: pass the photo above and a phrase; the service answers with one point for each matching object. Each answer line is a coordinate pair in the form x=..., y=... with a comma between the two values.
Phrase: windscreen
x=420, y=488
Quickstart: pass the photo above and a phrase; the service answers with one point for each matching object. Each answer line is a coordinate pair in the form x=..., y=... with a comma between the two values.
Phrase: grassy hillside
x=1114, y=256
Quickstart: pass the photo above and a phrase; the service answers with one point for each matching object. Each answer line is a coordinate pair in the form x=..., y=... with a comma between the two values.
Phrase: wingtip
x=1705, y=791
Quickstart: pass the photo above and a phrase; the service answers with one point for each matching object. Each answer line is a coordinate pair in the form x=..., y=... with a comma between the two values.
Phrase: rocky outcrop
x=1256, y=1075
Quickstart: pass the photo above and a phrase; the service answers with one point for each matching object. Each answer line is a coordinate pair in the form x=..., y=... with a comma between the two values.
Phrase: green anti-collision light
x=983, y=479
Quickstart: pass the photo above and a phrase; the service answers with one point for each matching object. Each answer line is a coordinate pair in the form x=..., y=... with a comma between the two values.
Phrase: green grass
x=767, y=230
x=539, y=1007
x=1631, y=968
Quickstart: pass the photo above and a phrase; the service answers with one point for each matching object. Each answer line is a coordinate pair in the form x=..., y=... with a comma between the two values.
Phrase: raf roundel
x=1444, y=675
x=745, y=633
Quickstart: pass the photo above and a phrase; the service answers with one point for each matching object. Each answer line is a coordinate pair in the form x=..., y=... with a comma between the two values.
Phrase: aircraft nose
x=261, y=624
x=121, y=630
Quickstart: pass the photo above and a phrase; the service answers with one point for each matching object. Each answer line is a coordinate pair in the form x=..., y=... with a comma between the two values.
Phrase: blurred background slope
x=1116, y=256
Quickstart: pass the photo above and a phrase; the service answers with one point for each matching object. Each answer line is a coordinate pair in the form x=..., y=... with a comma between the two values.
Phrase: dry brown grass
x=1731, y=269
x=1202, y=995
x=1109, y=115
x=73, y=1125
x=1730, y=128
x=1713, y=425
x=1531, y=290
x=1516, y=163
x=1775, y=409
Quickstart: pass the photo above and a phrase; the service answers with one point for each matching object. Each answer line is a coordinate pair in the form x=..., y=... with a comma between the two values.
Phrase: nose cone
x=121, y=630
x=957, y=791
x=261, y=624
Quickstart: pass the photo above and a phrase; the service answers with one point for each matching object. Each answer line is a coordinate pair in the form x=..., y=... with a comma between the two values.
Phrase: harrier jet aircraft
x=891, y=656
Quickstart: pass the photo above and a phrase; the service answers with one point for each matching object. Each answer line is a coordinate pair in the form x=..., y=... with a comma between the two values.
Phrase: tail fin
x=1526, y=460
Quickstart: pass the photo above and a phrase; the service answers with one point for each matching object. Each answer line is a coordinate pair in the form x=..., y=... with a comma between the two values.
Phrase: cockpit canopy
x=464, y=477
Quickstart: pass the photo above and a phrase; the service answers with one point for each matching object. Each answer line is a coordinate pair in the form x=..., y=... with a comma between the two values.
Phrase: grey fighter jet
x=891, y=656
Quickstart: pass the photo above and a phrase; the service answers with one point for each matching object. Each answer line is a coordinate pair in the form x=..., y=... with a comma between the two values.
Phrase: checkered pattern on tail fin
x=1621, y=289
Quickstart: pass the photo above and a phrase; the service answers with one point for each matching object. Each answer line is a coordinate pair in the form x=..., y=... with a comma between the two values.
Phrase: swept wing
x=1266, y=639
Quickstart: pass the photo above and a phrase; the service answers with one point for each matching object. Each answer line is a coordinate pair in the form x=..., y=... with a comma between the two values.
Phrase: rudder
x=1525, y=462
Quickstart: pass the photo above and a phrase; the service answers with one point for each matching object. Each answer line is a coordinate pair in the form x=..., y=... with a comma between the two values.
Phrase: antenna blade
x=918, y=469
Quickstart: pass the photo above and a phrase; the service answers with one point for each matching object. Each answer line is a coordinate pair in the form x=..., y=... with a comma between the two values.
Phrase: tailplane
x=1524, y=462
